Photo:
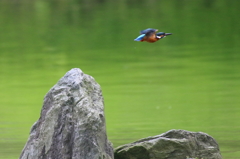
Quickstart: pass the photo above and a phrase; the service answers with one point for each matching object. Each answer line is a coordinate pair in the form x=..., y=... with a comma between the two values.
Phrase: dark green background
x=189, y=80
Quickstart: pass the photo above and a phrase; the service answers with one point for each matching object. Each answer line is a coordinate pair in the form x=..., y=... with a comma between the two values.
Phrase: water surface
x=189, y=80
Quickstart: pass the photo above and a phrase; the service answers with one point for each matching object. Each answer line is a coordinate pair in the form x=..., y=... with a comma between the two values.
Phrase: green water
x=189, y=80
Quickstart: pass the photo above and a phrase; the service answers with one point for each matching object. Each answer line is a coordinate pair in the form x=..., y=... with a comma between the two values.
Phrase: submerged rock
x=174, y=144
x=72, y=122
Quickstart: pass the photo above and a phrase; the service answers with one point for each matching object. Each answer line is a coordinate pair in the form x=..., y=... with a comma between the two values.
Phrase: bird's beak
x=166, y=34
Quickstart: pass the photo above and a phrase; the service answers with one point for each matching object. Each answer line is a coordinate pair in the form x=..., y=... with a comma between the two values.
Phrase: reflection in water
x=187, y=81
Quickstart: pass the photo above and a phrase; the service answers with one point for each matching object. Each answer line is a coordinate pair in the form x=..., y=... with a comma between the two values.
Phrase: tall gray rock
x=72, y=122
x=174, y=144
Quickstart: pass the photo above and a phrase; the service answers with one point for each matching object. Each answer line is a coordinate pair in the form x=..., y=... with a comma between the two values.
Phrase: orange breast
x=151, y=39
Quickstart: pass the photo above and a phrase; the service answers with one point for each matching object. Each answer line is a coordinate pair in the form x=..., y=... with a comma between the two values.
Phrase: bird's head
x=161, y=35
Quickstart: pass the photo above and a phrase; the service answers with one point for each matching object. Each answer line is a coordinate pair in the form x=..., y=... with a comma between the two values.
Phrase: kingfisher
x=150, y=35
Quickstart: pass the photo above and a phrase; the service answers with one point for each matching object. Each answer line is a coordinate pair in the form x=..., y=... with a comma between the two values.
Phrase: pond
x=189, y=80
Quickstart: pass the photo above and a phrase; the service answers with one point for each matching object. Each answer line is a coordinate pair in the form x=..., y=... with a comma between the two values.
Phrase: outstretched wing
x=148, y=31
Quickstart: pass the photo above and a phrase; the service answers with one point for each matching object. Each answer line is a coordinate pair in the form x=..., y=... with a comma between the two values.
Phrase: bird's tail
x=140, y=37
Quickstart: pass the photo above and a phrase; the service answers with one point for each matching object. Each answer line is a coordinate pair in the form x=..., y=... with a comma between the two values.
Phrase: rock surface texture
x=174, y=144
x=72, y=122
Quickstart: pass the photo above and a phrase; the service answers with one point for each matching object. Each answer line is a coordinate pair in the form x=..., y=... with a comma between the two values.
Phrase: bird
x=150, y=35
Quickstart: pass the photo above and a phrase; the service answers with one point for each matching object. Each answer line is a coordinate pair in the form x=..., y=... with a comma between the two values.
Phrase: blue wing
x=140, y=37
x=148, y=31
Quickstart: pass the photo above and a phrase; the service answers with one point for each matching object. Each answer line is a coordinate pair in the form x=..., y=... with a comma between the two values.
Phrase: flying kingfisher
x=150, y=35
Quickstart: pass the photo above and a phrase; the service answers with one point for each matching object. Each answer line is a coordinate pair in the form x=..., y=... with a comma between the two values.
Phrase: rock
x=72, y=122
x=174, y=144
